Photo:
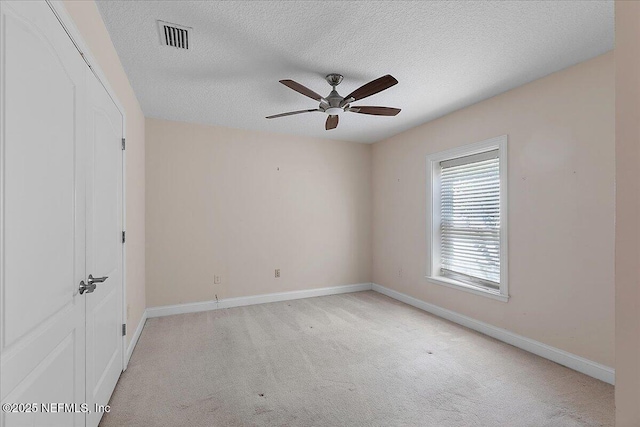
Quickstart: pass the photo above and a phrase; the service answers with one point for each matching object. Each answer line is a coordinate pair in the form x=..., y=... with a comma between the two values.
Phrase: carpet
x=359, y=359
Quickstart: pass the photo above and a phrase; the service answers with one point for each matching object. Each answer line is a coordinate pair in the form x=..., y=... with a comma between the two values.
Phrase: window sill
x=455, y=284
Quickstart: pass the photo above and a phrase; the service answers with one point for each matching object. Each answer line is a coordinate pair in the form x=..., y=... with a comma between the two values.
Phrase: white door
x=104, y=247
x=42, y=216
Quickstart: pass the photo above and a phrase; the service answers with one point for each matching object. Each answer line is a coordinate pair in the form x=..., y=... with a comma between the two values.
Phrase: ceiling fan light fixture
x=334, y=111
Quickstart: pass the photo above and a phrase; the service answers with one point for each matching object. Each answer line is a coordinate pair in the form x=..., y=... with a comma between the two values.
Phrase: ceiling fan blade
x=291, y=113
x=332, y=123
x=375, y=111
x=373, y=87
x=301, y=89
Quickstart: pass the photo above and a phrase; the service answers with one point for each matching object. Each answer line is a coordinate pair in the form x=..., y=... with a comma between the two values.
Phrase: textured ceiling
x=445, y=55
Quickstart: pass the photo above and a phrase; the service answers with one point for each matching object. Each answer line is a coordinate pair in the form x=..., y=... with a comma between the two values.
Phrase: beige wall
x=89, y=22
x=240, y=204
x=561, y=208
x=627, y=55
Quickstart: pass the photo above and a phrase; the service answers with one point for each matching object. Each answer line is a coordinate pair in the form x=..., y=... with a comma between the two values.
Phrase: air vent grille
x=174, y=35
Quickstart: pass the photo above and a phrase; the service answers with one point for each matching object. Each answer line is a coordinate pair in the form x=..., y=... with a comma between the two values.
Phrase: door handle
x=92, y=280
x=88, y=288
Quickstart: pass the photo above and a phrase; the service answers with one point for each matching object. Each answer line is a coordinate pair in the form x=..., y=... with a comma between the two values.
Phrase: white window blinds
x=470, y=219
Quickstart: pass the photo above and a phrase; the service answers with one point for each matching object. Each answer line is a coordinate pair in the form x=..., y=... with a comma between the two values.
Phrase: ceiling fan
x=334, y=104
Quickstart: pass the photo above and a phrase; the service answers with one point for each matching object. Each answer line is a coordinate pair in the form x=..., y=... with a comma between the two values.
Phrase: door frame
x=59, y=10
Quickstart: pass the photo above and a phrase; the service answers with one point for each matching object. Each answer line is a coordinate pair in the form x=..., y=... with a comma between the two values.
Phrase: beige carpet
x=358, y=359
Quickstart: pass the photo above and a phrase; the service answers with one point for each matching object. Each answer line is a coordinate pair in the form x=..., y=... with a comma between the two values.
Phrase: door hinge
x=123, y=143
x=123, y=237
x=124, y=329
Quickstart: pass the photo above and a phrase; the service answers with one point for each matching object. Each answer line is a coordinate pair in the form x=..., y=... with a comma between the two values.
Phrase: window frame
x=433, y=217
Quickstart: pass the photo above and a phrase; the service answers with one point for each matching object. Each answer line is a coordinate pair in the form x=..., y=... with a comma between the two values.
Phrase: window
x=467, y=215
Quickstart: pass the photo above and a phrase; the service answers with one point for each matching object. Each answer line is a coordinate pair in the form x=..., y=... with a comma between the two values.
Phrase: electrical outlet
x=217, y=280
x=277, y=273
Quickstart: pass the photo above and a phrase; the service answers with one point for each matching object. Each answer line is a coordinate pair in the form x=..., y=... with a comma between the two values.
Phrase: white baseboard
x=577, y=363
x=135, y=338
x=194, y=307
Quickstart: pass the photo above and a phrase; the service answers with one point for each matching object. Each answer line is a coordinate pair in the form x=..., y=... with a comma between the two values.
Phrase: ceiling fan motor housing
x=334, y=99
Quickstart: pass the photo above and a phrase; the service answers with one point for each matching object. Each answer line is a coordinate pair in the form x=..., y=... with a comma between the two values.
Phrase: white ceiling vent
x=174, y=35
